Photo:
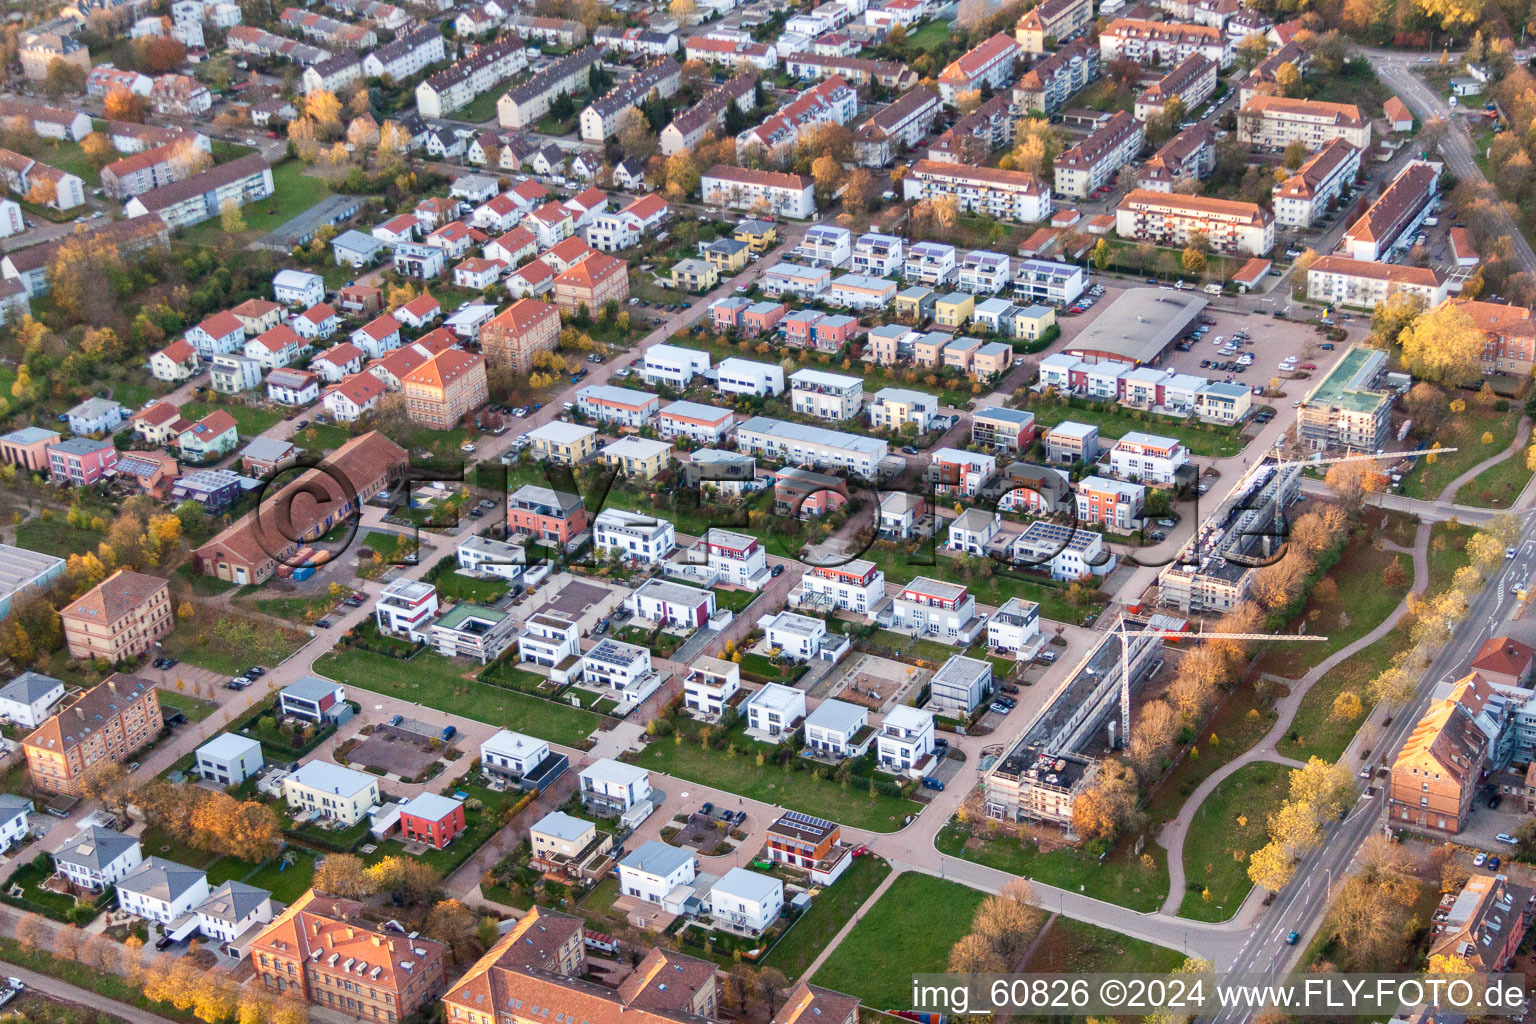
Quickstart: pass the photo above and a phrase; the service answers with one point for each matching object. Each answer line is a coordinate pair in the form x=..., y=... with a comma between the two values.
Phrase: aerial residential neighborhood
x=707, y=510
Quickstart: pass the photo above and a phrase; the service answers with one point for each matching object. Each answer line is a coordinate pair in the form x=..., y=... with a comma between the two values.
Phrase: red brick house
x=432, y=819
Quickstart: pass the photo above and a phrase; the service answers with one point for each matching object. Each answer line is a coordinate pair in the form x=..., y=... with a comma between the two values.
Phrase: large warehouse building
x=1139, y=327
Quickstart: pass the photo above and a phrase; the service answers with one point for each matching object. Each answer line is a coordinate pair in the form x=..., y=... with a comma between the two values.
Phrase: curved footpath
x=1521, y=439
x=1174, y=833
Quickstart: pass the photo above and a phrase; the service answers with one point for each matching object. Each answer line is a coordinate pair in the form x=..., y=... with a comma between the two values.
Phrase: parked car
x=1505, y=837
x=1493, y=864
x=929, y=782
x=323, y=623
x=1477, y=861
x=1167, y=522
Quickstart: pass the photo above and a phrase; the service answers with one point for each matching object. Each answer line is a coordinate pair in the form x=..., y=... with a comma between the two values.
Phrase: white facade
x=1147, y=458
x=747, y=377
x=30, y=699
x=405, y=608
x=673, y=365
x=162, y=891
x=772, y=710
x=653, y=871
x=1015, y=627
x=639, y=537
x=746, y=901
x=95, y=857
x=710, y=684
x=330, y=791
x=905, y=738
x=229, y=759
x=512, y=753
x=832, y=730
x=856, y=586
x=613, y=786
x=828, y=396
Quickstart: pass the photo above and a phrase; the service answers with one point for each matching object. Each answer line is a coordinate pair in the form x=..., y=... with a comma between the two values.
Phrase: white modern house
x=794, y=635
x=490, y=557
x=1015, y=628
x=298, y=288
x=673, y=365
x=552, y=640
x=856, y=586
x=710, y=684
x=30, y=699
x=406, y=608
x=511, y=754
x=232, y=913
x=162, y=891
x=738, y=558
x=325, y=790
x=773, y=710
x=905, y=738
x=656, y=873
x=838, y=729
x=96, y=857
x=624, y=669
x=634, y=536
x=612, y=787
x=229, y=759
x=746, y=901
x=735, y=376
x=15, y=812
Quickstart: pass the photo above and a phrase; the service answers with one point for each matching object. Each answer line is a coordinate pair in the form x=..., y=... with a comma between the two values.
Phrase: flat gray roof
x=1139, y=325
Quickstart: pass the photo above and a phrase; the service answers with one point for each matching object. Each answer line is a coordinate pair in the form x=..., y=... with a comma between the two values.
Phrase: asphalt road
x=1301, y=906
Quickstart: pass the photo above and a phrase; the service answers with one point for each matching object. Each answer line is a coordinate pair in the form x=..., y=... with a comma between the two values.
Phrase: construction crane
x=1125, y=656
x=1372, y=456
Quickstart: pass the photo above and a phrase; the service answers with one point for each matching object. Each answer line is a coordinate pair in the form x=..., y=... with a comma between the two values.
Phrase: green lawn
x=1121, y=878
x=300, y=610
x=232, y=644
x=327, y=437
x=934, y=33
x=1447, y=553
x=285, y=883
x=453, y=586
x=440, y=684
x=1231, y=823
x=1220, y=442
x=837, y=903
x=249, y=420
x=1076, y=947
x=1240, y=721
x=910, y=930
x=293, y=193
x=391, y=547
x=1314, y=730
x=850, y=804
x=1498, y=486
x=195, y=708
x=1362, y=604
x=481, y=108
x=1464, y=432
x=56, y=537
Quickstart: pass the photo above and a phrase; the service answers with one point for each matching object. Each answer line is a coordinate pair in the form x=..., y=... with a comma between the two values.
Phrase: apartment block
x=1005, y=195
x=108, y=723
x=1191, y=82
x=121, y=617
x=1277, y=121
x=1172, y=219
x=1090, y=163
x=1303, y=198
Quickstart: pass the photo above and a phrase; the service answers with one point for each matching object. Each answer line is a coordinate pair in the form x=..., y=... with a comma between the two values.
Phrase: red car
x=1075, y=309
x=1309, y=366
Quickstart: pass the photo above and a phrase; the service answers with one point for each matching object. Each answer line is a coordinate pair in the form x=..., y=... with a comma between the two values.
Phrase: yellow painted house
x=694, y=276
x=954, y=309
x=727, y=255
x=639, y=458
x=760, y=235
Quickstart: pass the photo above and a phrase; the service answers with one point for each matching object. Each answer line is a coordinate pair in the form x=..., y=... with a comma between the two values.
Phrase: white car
x=1505, y=837
x=466, y=447
x=1510, y=552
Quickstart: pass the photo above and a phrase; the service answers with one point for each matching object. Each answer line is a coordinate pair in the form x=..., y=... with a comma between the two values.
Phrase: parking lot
x=1230, y=336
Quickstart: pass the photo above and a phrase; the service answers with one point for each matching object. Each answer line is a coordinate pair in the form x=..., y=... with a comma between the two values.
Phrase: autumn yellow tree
x=324, y=109
x=230, y=217
x=1443, y=345
x=1270, y=867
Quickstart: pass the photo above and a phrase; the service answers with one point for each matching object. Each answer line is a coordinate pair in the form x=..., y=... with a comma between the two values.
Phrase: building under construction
x=1054, y=760
x=1214, y=570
